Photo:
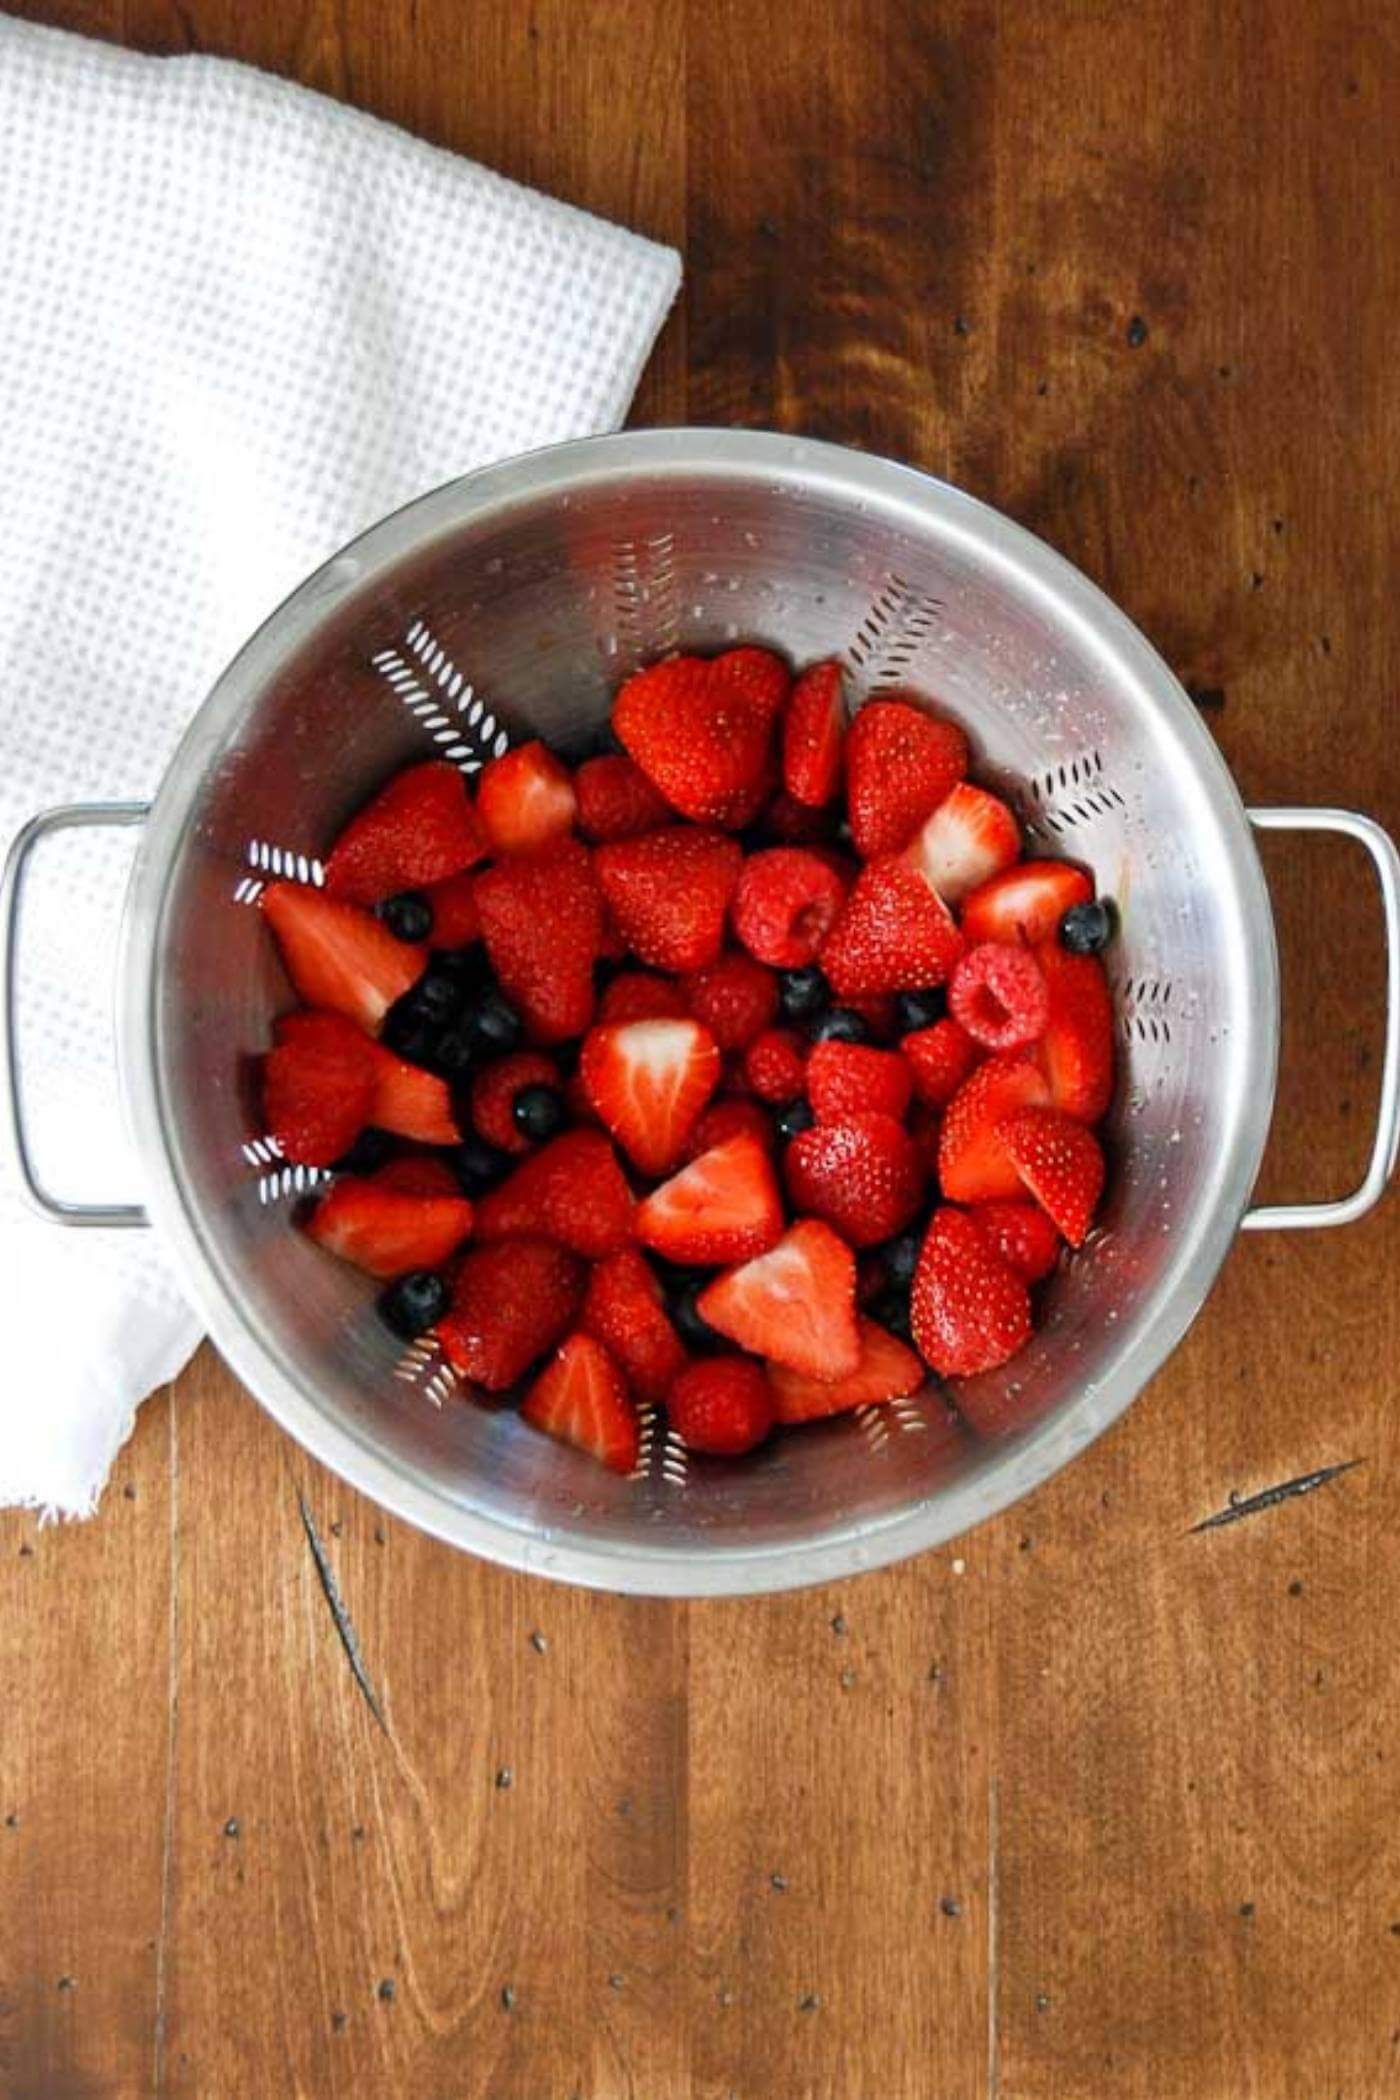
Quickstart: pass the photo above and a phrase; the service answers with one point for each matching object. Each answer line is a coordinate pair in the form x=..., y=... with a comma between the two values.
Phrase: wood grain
x=1092, y=1806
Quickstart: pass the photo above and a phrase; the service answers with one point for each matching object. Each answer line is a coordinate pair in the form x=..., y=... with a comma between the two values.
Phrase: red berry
x=525, y=800
x=317, y=1088
x=386, y=1230
x=969, y=838
x=668, y=891
x=541, y=920
x=649, y=1081
x=510, y=1303
x=1025, y=903
x=417, y=1174
x=999, y=996
x=1060, y=1162
x=581, y=1397
x=813, y=732
x=418, y=830
x=411, y=1102
x=721, y=1404
x=732, y=1117
x=900, y=764
x=736, y=998
x=844, y=1078
x=1076, y=1049
x=494, y=1089
x=571, y=1190
x=701, y=729
x=786, y=902
x=886, y=1371
x=793, y=823
x=940, y=1059
x=638, y=996
x=774, y=1065
x=724, y=1206
x=1022, y=1235
x=623, y=1309
x=338, y=955
x=794, y=1305
x=863, y=1175
x=973, y=1163
x=616, y=800
x=893, y=935
x=969, y=1311
x=456, y=920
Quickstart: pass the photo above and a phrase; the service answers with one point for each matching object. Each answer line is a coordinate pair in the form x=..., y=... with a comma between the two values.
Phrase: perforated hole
x=645, y=596
x=281, y=863
x=1072, y=793
x=647, y=1443
x=442, y=699
x=279, y=1184
x=674, y=1460
x=873, y=1426
x=424, y=1367
x=889, y=637
x=1143, y=1005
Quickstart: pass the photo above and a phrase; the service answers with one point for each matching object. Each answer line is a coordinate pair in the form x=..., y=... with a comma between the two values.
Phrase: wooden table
x=1096, y=1804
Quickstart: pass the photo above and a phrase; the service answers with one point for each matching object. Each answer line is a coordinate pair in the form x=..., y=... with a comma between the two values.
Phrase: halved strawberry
x=969, y=1312
x=417, y=831
x=795, y=1305
x=616, y=800
x=571, y=1190
x=1076, y=1047
x=900, y=764
x=510, y=1303
x=970, y=837
x=668, y=891
x=541, y=920
x=581, y=1397
x=736, y=998
x=1060, y=1162
x=456, y=920
x=974, y=1165
x=814, y=729
x=317, y=1087
x=1021, y=1234
x=648, y=1081
x=722, y=1404
x=940, y=1059
x=1024, y=903
x=731, y=1117
x=338, y=955
x=894, y=934
x=843, y=1079
x=723, y=1207
x=623, y=1309
x=701, y=730
x=411, y=1102
x=525, y=800
x=638, y=996
x=887, y=1370
x=493, y=1093
x=386, y=1230
x=787, y=899
x=862, y=1174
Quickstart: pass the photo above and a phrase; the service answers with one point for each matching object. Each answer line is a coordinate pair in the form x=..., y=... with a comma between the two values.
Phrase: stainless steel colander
x=510, y=604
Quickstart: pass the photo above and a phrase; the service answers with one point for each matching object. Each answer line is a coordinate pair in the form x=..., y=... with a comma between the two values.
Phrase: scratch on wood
x=344, y=1625
x=1268, y=1498
x=993, y=1871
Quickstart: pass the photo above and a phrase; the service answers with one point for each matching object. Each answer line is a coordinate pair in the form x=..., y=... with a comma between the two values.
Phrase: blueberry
x=409, y=1034
x=794, y=1119
x=477, y=1165
x=802, y=993
x=841, y=1026
x=437, y=996
x=690, y=1323
x=891, y=1311
x=538, y=1111
x=452, y=1053
x=465, y=966
x=409, y=916
x=495, y=1022
x=901, y=1257
x=916, y=1010
x=1085, y=929
x=414, y=1303
x=371, y=1149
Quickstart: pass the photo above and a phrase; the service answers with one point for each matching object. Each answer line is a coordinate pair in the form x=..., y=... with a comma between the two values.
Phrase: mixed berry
x=745, y=1070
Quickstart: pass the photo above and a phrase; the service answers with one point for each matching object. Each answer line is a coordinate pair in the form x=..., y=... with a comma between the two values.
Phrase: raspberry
x=786, y=903
x=999, y=995
x=773, y=1065
x=736, y=998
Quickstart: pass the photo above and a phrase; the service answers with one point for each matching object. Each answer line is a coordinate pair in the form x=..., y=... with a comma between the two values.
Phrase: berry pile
x=745, y=1070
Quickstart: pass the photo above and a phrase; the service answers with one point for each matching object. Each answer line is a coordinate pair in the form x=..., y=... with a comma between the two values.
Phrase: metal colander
x=509, y=605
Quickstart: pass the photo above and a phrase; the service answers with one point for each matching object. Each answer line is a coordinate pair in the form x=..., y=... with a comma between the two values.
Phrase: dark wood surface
x=1092, y=1805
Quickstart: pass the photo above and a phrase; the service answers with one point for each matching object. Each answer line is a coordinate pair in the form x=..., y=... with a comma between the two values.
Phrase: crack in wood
x=344, y=1624
x=1269, y=1498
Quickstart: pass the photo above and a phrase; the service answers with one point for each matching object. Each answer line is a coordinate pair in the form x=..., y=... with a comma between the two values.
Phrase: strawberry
x=968, y=1310
x=844, y=1078
x=731, y=1117
x=623, y=1309
x=940, y=1058
x=1021, y=1234
x=581, y=1397
x=893, y=935
x=970, y=837
x=616, y=800
x=494, y=1089
x=571, y=1190
x=456, y=920
x=886, y=1371
x=793, y=823
x=863, y=1175
x=338, y=955
x=668, y=891
x=510, y=1303
x=1076, y=1049
x=786, y=902
x=1024, y=903
x=925, y=1128
x=701, y=730
x=724, y=1206
x=973, y=1163
x=1060, y=1162
x=999, y=996
x=417, y=1174
x=411, y=1102
x=386, y=1230
x=722, y=1404
x=417, y=831
x=638, y=996
x=525, y=800
x=775, y=1065
x=736, y=998
x=900, y=764
x=648, y=1081
x=541, y=920
x=317, y=1087
x=813, y=732
x=795, y=1305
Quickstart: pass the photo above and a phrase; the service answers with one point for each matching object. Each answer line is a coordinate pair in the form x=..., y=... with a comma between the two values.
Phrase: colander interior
x=509, y=606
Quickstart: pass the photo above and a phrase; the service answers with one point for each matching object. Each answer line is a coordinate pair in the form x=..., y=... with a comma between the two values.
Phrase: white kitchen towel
x=238, y=323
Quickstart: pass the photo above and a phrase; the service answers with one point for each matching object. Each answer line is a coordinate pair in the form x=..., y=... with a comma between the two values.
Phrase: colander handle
x=72, y=816
x=1386, y=861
